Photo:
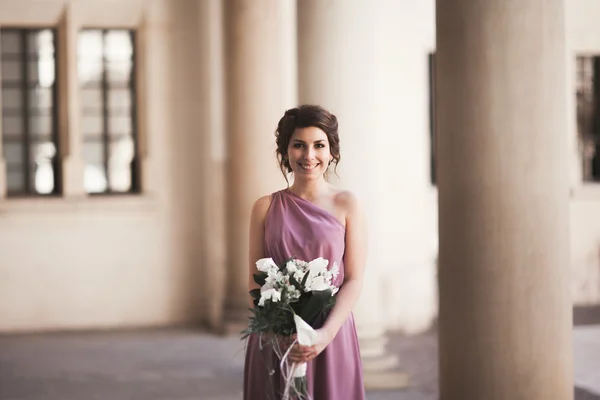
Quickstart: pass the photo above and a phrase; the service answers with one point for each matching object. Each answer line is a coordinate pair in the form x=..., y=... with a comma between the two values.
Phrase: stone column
x=69, y=105
x=505, y=307
x=338, y=70
x=260, y=86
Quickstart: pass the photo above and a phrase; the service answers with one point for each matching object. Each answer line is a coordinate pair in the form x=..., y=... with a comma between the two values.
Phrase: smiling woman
x=310, y=219
x=306, y=135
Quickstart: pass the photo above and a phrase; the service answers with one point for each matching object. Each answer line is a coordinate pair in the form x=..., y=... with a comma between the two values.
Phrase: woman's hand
x=302, y=354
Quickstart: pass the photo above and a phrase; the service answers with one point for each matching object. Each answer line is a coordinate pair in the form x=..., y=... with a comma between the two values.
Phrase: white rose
x=266, y=265
x=274, y=275
x=318, y=284
x=291, y=267
x=272, y=294
x=316, y=267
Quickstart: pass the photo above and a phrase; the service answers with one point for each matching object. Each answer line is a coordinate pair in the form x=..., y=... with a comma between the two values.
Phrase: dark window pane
x=12, y=125
x=12, y=99
x=15, y=181
x=588, y=114
x=10, y=42
x=432, y=138
x=28, y=110
x=11, y=71
x=13, y=153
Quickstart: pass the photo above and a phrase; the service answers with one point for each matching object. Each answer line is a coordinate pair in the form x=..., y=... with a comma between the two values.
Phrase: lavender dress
x=296, y=227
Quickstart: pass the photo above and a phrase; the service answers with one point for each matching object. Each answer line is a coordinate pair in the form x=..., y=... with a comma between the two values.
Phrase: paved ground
x=188, y=365
x=586, y=351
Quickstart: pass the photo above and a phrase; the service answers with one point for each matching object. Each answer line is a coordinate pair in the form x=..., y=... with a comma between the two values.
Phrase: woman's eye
x=297, y=145
x=320, y=145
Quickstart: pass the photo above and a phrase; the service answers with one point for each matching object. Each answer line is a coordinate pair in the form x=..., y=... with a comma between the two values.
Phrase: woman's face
x=309, y=153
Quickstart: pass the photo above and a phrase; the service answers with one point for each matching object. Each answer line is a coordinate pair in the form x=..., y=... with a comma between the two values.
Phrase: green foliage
x=278, y=317
x=317, y=303
x=260, y=278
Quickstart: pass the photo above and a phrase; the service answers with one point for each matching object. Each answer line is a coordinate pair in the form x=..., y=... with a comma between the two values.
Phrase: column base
x=385, y=380
x=380, y=369
x=236, y=320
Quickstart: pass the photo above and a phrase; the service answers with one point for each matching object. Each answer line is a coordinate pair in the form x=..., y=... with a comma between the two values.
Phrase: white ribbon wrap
x=307, y=336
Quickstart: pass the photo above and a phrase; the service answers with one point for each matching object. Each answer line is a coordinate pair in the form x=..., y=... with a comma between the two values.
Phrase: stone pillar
x=338, y=70
x=213, y=197
x=505, y=307
x=69, y=105
x=259, y=35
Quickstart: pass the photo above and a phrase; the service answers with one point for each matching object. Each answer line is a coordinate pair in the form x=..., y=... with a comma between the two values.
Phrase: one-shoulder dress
x=295, y=227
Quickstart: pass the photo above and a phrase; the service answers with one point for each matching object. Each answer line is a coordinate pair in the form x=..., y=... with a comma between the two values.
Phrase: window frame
x=135, y=165
x=587, y=139
x=24, y=87
x=432, y=119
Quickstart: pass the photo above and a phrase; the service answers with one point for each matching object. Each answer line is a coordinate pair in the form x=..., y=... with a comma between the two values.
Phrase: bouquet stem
x=301, y=386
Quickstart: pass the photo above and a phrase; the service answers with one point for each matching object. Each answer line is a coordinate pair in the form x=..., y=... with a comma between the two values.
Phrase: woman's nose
x=309, y=153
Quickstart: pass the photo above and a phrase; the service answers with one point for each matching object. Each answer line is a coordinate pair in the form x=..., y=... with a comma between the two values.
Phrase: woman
x=311, y=219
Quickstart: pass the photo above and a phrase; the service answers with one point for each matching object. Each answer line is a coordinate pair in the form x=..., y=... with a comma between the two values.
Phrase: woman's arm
x=257, y=240
x=354, y=267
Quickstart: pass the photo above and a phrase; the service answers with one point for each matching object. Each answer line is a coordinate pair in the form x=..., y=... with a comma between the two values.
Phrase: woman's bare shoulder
x=345, y=200
x=261, y=206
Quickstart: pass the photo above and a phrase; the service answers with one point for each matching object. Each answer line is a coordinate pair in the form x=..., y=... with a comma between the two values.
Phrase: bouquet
x=290, y=299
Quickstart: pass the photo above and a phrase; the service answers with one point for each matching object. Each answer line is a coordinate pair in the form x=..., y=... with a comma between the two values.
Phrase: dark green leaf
x=260, y=278
x=295, y=283
x=305, y=279
x=318, y=302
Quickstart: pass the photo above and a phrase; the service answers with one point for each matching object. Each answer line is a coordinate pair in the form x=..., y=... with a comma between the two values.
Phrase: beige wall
x=81, y=262
x=407, y=207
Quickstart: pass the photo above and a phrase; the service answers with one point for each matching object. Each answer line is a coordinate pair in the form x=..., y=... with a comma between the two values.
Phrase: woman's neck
x=310, y=189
